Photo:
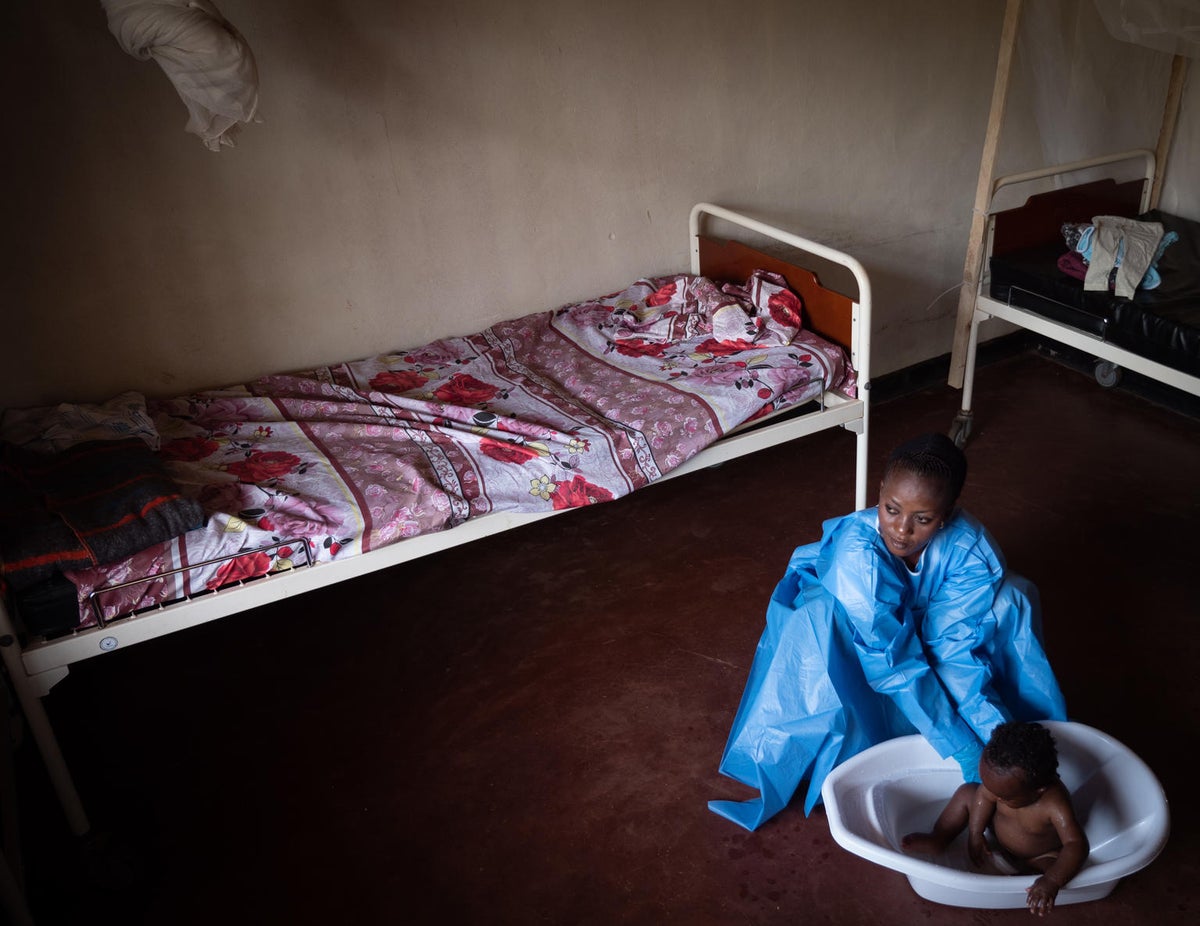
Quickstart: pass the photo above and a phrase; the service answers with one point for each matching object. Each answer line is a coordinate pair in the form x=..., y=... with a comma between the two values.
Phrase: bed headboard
x=1040, y=219
x=827, y=312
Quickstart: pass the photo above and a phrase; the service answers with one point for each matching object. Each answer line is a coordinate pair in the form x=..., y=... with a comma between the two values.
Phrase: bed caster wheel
x=1107, y=374
x=960, y=430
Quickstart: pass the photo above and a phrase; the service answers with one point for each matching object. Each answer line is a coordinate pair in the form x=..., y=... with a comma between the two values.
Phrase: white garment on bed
x=206, y=58
x=1127, y=244
x=50, y=429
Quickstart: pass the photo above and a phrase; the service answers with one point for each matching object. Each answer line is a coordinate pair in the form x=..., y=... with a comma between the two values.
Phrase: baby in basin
x=1027, y=807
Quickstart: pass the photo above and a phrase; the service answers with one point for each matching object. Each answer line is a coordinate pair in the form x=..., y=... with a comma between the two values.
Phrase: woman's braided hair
x=931, y=456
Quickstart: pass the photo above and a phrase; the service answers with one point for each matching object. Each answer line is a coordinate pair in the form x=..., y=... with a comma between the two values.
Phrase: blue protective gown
x=859, y=649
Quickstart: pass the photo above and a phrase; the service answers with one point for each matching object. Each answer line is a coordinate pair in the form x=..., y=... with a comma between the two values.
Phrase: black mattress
x=1162, y=324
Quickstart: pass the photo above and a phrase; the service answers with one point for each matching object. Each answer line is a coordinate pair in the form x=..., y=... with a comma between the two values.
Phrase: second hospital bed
x=1155, y=334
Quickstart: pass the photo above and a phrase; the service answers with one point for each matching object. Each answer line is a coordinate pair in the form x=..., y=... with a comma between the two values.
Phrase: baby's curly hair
x=1027, y=746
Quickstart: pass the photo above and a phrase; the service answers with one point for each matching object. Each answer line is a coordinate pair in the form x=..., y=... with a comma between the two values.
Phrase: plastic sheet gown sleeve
x=859, y=649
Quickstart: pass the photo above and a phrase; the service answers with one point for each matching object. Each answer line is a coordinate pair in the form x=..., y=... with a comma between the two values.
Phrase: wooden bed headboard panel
x=828, y=313
x=1040, y=219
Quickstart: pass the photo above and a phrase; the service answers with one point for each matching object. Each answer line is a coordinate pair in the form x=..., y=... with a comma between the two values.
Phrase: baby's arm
x=983, y=808
x=1070, y=859
x=950, y=822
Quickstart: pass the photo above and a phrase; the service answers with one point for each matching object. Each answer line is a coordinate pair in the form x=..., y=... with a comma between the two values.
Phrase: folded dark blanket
x=91, y=504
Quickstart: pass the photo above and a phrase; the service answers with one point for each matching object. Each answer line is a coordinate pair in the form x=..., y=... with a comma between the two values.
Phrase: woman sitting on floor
x=901, y=619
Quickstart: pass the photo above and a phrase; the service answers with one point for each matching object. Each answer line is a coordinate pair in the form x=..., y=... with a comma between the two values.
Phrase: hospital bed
x=302, y=480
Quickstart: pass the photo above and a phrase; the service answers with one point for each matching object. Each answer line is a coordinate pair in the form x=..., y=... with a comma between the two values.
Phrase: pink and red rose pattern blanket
x=555, y=410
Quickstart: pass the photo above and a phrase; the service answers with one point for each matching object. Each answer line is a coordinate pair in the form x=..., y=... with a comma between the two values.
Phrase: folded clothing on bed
x=92, y=504
x=1161, y=324
x=50, y=429
x=1081, y=237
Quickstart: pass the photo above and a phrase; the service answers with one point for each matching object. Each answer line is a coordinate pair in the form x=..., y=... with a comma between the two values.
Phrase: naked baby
x=1026, y=806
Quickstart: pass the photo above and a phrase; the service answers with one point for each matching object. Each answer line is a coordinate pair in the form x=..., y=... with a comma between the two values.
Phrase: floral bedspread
x=554, y=410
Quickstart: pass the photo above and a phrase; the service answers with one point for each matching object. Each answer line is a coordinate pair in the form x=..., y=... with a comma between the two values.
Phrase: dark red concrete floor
x=527, y=729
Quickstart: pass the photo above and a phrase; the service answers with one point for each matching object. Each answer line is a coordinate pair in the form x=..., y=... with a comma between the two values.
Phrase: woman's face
x=911, y=510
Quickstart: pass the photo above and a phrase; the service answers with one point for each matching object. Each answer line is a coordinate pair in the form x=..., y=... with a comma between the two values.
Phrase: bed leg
x=39, y=725
x=12, y=899
x=960, y=429
x=859, y=427
x=860, y=466
x=12, y=878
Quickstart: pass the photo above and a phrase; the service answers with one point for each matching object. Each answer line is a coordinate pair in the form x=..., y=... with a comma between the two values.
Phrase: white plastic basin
x=900, y=786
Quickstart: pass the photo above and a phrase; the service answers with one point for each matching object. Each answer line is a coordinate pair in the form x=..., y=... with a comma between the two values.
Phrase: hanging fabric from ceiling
x=1171, y=26
x=205, y=57
x=1087, y=92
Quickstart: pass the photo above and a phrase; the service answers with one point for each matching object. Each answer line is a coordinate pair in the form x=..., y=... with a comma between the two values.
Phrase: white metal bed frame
x=36, y=666
x=986, y=307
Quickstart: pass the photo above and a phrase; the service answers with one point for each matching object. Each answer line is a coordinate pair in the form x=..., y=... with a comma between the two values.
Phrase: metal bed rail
x=857, y=413
x=95, y=596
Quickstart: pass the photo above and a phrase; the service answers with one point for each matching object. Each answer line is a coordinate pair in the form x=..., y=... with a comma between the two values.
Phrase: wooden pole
x=1167, y=132
x=983, y=195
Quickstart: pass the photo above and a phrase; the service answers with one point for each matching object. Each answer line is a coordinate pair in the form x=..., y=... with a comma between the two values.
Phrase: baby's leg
x=951, y=822
x=1038, y=865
